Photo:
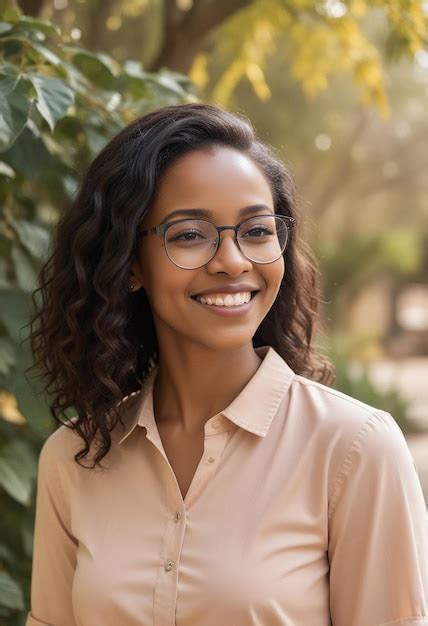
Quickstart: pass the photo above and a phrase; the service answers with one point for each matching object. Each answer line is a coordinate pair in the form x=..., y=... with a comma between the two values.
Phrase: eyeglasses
x=190, y=243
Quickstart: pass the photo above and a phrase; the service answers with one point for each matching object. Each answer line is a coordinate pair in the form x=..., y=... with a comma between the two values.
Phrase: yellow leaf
x=199, y=70
x=257, y=79
x=358, y=8
x=9, y=409
x=228, y=81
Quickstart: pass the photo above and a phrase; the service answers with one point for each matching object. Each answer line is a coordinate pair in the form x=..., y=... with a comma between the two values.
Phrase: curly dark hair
x=95, y=341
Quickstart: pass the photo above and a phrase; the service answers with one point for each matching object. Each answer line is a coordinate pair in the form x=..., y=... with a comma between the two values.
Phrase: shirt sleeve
x=378, y=532
x=54, y=547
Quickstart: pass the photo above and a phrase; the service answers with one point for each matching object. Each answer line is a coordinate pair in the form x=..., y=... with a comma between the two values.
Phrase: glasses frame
x=161, y=229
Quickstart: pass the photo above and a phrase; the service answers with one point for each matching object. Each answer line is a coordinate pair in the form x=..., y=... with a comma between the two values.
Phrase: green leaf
x=32, y=23
x=33, y=401
x=11, y=595
x=7, y=355
x=6, y=554
x=21, y=451
x=33, y=237
x=46, y=53
x=14, y=312
x=9, y=69
x=29, y=155
x=136, y=86
x=134, y=68
x=8, y=84
x=27, y=534
x=99, y=68
x=166, y=82
x=16, y=471
x=31, y=395
x=6, y=170
x=96, y=138
x=24, y=269
x=77, y=80
x=5, y=27
x=54, y=97
x=4, y=274
x=14, y=111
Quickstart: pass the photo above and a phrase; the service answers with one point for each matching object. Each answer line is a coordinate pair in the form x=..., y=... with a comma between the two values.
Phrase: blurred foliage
x=59, y=104
x=350, y=264
x=325, y=38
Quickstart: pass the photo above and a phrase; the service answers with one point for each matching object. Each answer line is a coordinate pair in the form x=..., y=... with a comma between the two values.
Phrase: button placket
x=167, y=581
x=213, y=449
x=165, y=598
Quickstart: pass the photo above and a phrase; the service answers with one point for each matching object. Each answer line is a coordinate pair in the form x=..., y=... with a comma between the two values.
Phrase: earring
x=131, y=286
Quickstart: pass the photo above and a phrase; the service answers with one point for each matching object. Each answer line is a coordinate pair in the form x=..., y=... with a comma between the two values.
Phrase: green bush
x=59, y=105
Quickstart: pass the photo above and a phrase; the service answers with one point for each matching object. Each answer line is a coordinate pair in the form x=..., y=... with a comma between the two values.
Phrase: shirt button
x=210, y=459
x=216, y=423
x=169, y=565
x=177, y=516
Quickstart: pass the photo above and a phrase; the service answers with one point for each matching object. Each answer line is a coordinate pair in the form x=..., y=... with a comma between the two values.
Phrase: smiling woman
x=94, y=340
x=179, y=307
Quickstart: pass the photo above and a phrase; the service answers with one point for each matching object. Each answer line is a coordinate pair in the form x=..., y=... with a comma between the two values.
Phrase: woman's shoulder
x=328, y=398
x=65, y=441
x=336, y=413
x=353, y=435
x=60, y=445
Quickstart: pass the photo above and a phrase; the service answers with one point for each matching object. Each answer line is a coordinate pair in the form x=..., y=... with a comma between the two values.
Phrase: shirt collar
x=253, y=408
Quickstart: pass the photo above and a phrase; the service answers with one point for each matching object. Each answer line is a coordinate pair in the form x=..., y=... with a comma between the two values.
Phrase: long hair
x=94, y=340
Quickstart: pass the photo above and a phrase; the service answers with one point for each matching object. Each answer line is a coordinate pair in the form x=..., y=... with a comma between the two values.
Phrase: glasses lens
x=190, y=243
x=263, y=238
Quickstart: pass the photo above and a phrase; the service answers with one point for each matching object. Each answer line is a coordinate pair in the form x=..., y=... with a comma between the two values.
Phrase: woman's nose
x=228, y=256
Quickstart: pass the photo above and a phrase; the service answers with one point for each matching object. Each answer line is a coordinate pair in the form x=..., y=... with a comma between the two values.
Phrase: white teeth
x=235, y=299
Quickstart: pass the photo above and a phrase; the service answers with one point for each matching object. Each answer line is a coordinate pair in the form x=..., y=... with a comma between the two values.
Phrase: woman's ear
x=135, y=277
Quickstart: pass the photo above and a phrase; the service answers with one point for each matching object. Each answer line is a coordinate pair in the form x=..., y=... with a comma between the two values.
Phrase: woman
x=229, y=483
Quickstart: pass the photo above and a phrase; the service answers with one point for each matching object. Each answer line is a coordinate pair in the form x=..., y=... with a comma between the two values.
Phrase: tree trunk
x=31, y=7
x=185, y=33
x=95, y=31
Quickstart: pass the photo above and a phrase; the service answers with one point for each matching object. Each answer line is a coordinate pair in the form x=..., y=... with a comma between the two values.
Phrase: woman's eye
x=259, y=229
x=186, y=236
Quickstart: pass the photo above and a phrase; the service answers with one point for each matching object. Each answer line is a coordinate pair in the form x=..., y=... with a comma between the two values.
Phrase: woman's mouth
x=227, y=305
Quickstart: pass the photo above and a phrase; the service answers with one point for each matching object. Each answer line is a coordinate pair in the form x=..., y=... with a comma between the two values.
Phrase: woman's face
x=222, y=181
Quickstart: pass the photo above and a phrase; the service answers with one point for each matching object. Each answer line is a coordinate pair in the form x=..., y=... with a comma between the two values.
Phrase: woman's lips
x=228, y=311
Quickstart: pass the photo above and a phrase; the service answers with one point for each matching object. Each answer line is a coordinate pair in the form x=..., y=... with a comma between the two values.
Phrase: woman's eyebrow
x=253, y=208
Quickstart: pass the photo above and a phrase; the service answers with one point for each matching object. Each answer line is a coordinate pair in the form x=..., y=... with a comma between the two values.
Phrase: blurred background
x=338, y=88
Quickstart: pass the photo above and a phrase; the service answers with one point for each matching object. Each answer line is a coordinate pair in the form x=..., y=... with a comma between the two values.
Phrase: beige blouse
x=305, y=510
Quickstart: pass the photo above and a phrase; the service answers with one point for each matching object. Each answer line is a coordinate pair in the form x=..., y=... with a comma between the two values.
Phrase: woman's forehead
x=219, y=177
